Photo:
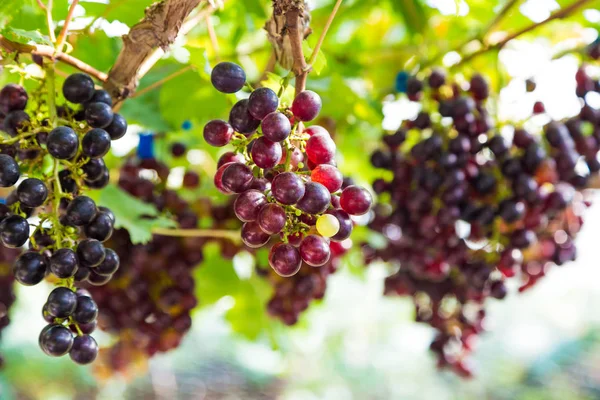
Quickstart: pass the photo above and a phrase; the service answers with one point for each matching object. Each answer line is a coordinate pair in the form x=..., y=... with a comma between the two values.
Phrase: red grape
x=253, y=236
x=218, y=133
x=271, y=218
x=356, y=200
x=288, y=188
x=285, y=259
x=218, y=179
x=237, y=177
x=229, y=157
x=241, y=120
x=329, y=176
x=266, y=154
x=316, y=199
x=262, y=102
x=306, y=105
x=248, y=204
x=315, y=251
x=320, y=149
x=276, y=127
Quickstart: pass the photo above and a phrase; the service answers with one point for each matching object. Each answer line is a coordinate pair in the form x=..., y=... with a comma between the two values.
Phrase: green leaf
x=414, y=14
x=25, y=37
x=216, y=279
x=133, y=214
x=274, y=82
x=128, y=12
x=320, y=61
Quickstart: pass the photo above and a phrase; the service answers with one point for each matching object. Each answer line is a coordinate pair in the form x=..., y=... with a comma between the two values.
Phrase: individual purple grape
x=276, y=127
x=271, y=218
x=266, y=154
x=241, y=120
x=248, y=204
x=84, y=350
x=320, y=149
x=345, y=225
x=218, y=133
x=12, y=97
x=228, y=77
x=237, y=178
x=285, y=259
x=262, y=102
x=356, y=200
x=288, y=188
x=316, y=199
x=56, y=340
x=306, y=106
x=315, y=251
x=253, y=236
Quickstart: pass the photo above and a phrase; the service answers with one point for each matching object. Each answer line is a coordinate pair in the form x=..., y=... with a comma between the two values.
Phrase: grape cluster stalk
x=53, y=154
x=464, y=208
x=284, y=175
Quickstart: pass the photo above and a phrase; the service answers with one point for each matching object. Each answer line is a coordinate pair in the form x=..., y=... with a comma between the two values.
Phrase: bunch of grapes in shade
x=465, y=208
x=284, y=174
x=148, y=302
x=7, y=293
x=68, y=239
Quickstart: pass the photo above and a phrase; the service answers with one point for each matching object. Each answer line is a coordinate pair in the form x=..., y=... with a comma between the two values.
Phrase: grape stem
x=49, y=52
x=50, y=22
x=60, y=42
x=562, y=13
x=233, y=235
x=315, y=52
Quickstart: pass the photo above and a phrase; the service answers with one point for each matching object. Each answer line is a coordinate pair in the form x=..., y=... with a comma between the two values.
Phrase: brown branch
x=49, y=52
x=60, y=41
x=41, y=5
x=158, y=30
x=300, y=69
x=562, y=13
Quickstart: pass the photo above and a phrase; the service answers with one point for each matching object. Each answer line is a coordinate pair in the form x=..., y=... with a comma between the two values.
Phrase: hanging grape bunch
x=468, y=208
x=148, y=302
x=73, y=144
x=279, y=191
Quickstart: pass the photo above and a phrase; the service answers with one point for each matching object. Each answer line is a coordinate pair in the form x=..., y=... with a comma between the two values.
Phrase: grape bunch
x=68, y=239
x=7, y=294
x=280, y=192
x=467, y=208
x=148, y=303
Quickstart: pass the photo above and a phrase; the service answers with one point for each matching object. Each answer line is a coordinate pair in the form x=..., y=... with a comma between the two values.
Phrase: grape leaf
x=216, y=279
x=128, y=12
x=25, y=37
x=320, y=61
x=133, y=214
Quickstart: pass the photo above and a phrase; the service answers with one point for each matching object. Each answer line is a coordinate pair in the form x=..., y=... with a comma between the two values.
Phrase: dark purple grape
x=288, y=188
x=109, y=265
x=98, y=115
x=30, y=268
x=56, y=340
x=78, y=88
x=84, y=350
x=9, y=171
x=100, y=228
x=228, y=77
x=315, y=251
x=96, y=279
x=117, y=128
x=262, y=102
x=64, y=263
x=32, y=192
x=81, y=210
x=86, y=310
x=271, y=218
x=62, y=143
x=285, y=259
x=248, y=204
x=345, y=225
x=101, y=96
x=356, y=200
x=237, y=177
x=14, y=231
x=316, y=199
x=253, y=236
x=90, y=252
x=266, y=154
x=276, y=127
x=95, y=143
x=16, y=122
x=12, y=97
x=61, y=302
x=94, y=169
x=241, y=120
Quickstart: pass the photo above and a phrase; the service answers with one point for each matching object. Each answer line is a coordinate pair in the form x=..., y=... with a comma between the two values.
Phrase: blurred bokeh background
x=355, y=343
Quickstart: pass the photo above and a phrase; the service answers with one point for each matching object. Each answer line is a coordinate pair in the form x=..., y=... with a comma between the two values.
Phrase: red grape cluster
x=148, y=303
x=7, y=294
x=467, y=208
x=75, y=149
x=278, y=194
